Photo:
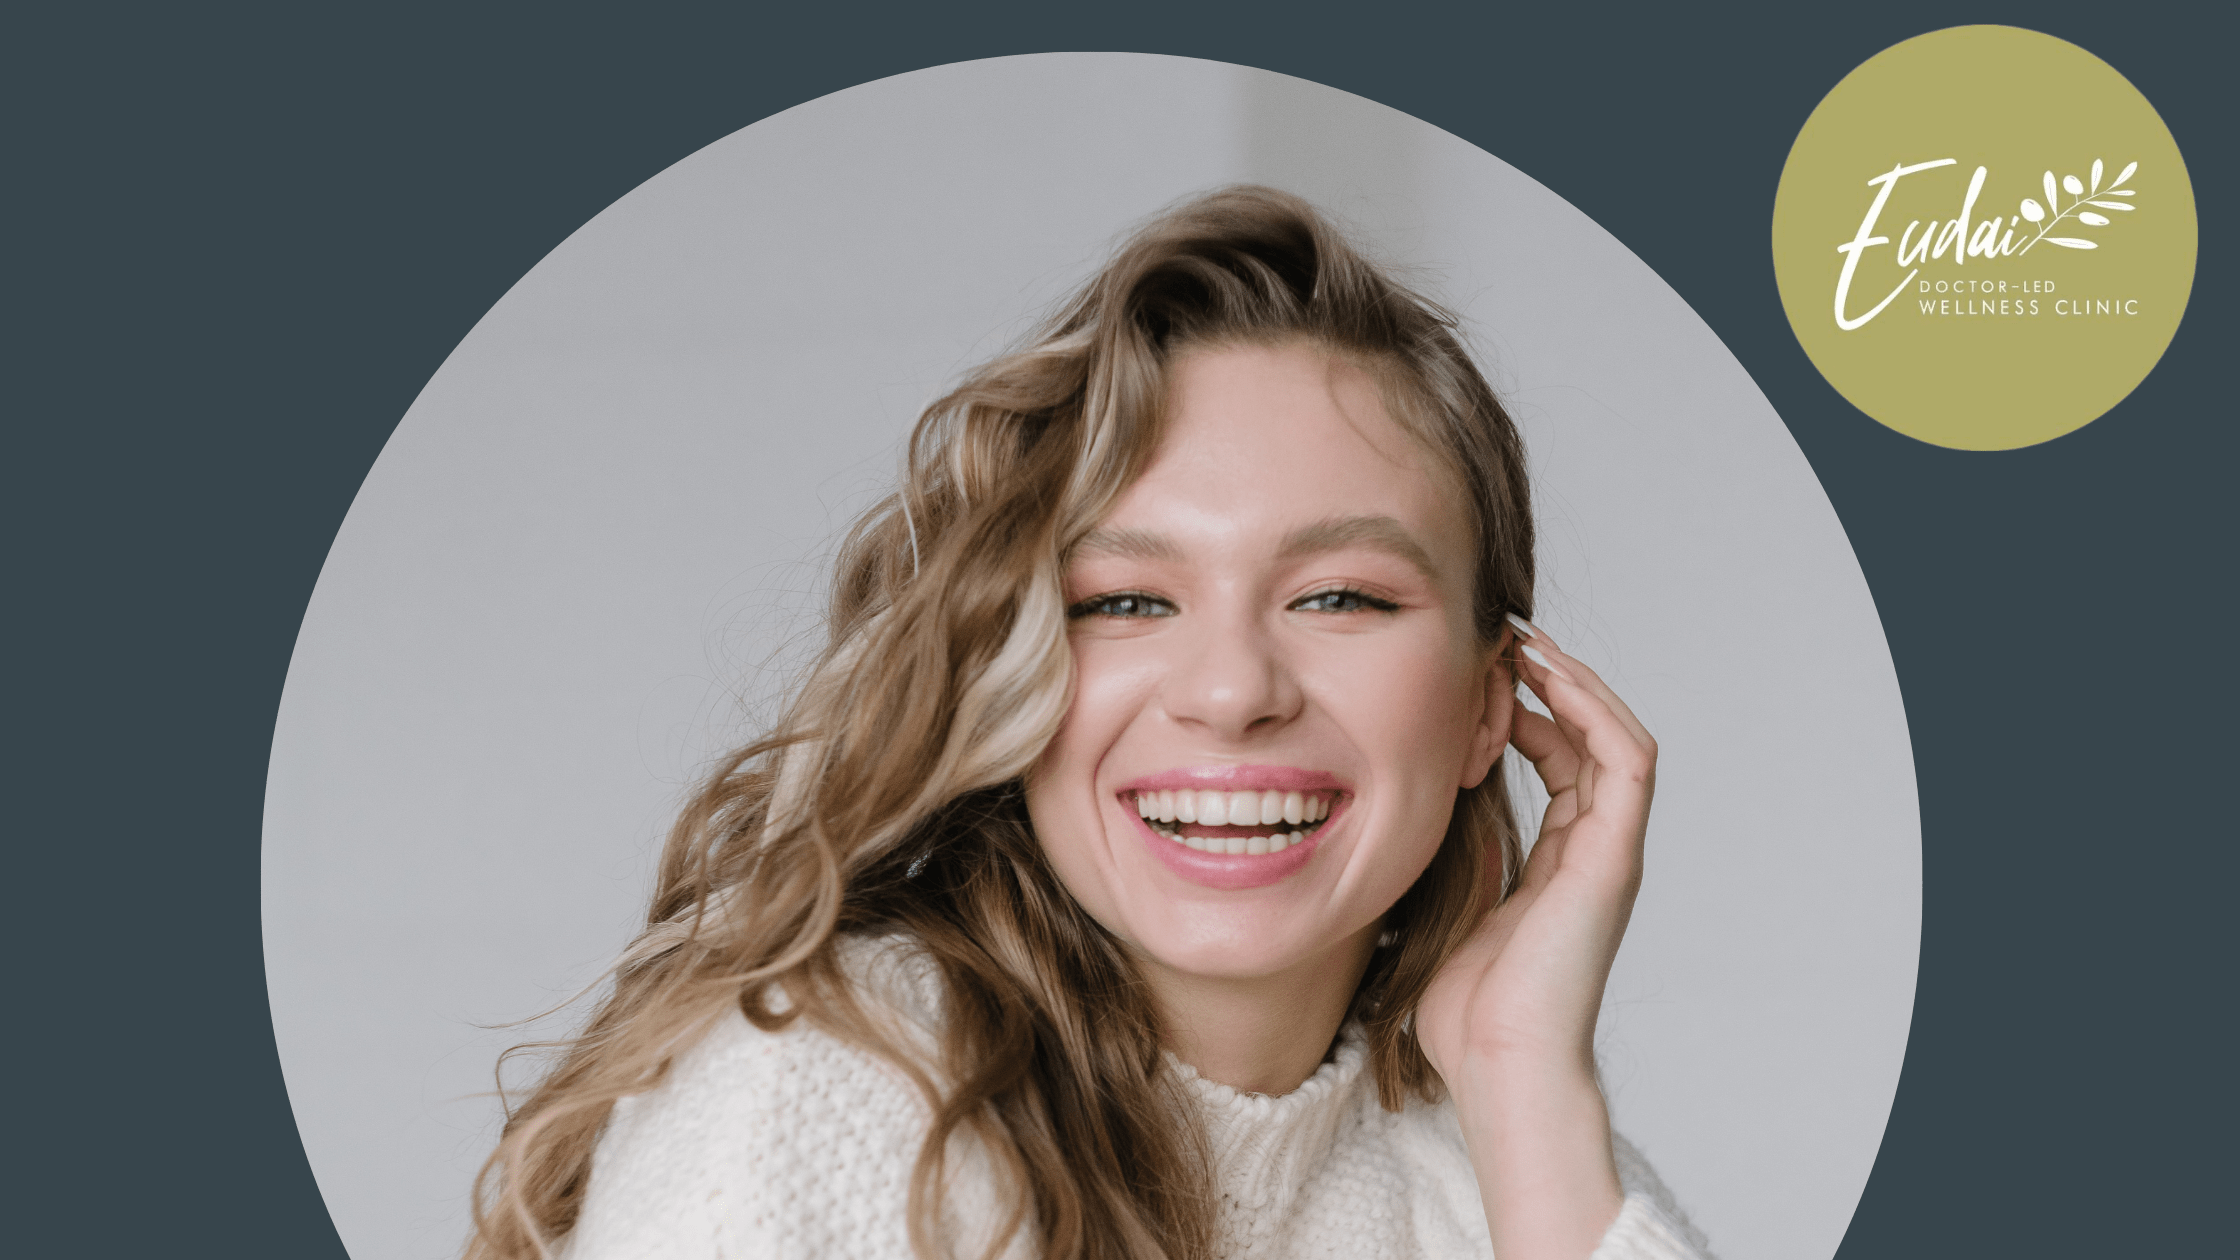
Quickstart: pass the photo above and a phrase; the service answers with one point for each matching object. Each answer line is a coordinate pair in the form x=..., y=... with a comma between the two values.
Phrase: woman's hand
x=1509, y=1022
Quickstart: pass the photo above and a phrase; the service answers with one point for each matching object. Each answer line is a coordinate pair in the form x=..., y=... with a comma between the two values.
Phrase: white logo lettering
x=1963, y=236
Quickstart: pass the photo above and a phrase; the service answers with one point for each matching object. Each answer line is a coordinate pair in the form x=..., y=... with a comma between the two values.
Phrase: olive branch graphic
x=2080, y=196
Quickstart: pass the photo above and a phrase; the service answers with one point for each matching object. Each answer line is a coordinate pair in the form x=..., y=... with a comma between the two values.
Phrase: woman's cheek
x=1422, y=669
x=1062, y=796
x=1099, y=685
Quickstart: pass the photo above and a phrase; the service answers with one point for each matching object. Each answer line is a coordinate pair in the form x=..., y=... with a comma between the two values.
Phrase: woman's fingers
x=1556, y=759
x=1601, y=701
x=1608, y=762
x=1539, y=867
x=1579, y=700
x=1535, y=643
x=1553, y=753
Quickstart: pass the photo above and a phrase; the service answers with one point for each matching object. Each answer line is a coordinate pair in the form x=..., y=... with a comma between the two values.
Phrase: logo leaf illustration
x=2050, y=216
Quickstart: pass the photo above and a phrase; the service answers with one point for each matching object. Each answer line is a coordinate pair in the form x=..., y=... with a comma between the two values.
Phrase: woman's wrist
x=1539, y=1138
x=1512, y=1078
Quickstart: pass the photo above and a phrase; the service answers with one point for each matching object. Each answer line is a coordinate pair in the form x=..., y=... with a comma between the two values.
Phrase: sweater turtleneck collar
x=1266, y=1147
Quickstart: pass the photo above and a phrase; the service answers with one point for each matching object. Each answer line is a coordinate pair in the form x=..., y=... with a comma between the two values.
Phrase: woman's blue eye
x=1343, y=601
x=1122, y=604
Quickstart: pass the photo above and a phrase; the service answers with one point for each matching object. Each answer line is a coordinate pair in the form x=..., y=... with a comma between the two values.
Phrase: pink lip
x=1225, y=871
x=1238, y=779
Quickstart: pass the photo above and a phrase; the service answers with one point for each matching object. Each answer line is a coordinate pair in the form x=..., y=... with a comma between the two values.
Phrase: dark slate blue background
x=238, y=241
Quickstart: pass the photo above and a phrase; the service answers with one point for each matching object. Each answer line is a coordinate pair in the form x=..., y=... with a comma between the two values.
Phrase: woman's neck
x=1260, y=1034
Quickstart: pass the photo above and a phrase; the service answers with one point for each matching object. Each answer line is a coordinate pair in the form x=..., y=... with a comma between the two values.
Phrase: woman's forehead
x=1283, y=443
x=1314, y=401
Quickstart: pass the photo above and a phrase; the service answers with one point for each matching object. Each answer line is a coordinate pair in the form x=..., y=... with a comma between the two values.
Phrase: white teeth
x=1269, y=809
x=1234, y=809
x=1273, y=843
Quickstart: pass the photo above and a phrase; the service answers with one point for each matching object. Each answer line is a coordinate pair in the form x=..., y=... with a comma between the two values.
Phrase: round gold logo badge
x=1984, y=237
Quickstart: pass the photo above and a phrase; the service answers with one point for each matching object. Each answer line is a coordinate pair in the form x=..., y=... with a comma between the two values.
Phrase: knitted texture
x=796, y=1144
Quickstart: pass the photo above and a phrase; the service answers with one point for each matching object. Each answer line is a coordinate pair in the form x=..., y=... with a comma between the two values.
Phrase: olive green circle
x=2018, y=347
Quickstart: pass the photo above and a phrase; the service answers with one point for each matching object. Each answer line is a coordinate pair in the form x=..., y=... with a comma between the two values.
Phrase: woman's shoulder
x=737, y=1072
x=788, y=1142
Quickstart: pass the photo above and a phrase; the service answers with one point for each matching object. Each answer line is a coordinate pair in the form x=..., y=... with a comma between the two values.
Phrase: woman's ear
x=1497, y=708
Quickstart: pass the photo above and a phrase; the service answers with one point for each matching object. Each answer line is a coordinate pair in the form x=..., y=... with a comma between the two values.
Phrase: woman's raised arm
x=1509, y=1024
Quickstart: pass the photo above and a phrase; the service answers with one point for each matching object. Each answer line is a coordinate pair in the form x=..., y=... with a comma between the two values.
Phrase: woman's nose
x=1232, y=680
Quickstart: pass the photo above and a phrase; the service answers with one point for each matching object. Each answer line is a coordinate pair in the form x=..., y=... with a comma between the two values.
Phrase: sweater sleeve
x=1650, y=1226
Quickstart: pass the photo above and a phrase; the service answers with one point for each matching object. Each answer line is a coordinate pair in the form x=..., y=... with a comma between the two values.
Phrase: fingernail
x=1524, y=627
x=1532, y=654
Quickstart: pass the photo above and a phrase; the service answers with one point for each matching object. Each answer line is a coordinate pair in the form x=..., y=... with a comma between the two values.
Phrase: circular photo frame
x=589, y=556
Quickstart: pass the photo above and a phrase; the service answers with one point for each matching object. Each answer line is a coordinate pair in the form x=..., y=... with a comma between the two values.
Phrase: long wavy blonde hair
x=888, y=798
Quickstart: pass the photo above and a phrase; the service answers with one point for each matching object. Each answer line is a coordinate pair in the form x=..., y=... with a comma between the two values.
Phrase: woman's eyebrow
x=1133, y=544
x=1379, y=532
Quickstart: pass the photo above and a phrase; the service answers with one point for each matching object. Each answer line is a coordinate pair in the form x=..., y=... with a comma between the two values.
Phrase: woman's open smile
x=1235, y=826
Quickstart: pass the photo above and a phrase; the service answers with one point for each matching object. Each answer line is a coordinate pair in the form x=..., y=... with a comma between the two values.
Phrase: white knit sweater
x=798, y=1145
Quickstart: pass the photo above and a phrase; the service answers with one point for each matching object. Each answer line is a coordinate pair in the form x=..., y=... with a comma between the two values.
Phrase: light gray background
x=593, y=544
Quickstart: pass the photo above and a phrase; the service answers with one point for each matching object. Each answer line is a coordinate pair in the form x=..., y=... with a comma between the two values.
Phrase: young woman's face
x=1276, y=661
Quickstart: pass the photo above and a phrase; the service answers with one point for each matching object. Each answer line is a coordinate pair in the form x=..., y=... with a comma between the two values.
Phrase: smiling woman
x=1129, y=876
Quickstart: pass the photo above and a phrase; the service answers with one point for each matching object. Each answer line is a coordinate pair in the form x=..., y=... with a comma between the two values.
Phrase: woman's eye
x=1343, y=601
x=1122, y=604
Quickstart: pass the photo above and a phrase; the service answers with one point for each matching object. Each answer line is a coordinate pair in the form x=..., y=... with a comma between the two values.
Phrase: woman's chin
x=1237, y=950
